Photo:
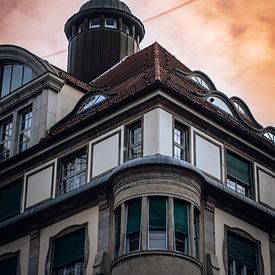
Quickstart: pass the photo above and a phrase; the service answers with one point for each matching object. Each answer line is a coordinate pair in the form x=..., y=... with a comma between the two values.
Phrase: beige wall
x=21, y=245
x=106, y=154
x=266, y=183
x=158, y=126
x=89, y=216
x=39, y=186
x=66, y=100
x=222, y=219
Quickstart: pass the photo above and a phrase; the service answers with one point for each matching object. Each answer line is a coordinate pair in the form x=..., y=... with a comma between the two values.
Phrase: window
x=81, y=28
x=10, y=200
x=241, y=255
x=157, y=223
x=181, y=226
x=220, y=104
x=133, y=225
x=5, y=139
x=12, y=76
x=134, y=141
x=74, y=172
x=9, y=266
x=94, y=23
x=125, y=28
x=91, y=102
x=117, y=230
x=110, y=23
x=25, y=129
x=180, y=142
x=238, y=174
x=68, y=254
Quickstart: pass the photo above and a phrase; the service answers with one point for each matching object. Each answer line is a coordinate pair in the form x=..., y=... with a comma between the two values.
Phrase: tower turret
x=100, y=35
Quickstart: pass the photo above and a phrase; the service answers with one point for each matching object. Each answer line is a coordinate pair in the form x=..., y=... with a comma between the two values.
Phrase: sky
x=232, y=41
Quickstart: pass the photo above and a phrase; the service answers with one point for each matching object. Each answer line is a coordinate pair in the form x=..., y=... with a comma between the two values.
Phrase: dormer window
x=220, y=104
x=91, y=102
x=12, y=76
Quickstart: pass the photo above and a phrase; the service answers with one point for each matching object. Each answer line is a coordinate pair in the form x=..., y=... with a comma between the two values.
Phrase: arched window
x=270, y=136
x=12, y=76
x=91, y=102
x=220, y=104
x=240, y=109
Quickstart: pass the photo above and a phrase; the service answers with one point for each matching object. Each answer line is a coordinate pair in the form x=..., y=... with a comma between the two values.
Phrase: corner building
x=130, y=163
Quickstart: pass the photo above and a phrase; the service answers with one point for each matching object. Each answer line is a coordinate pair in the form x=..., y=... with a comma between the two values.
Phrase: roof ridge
x=157, y=61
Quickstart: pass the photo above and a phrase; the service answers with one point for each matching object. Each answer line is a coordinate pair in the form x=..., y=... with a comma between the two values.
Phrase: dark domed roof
x=112, y=4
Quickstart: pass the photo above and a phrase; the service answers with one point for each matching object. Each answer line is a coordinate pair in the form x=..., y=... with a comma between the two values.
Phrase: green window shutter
x=117, y=226
x=238, y=169
x=10, y=200
x=241, y=249
x=134, y=216
x=157, y=213
x=69, y=249
x=180, y=217
x=9, y=266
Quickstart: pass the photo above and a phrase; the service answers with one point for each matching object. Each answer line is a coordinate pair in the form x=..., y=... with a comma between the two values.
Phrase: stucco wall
x=89, y=216
x=158, y=129
x=222, y=219
x=21, y=245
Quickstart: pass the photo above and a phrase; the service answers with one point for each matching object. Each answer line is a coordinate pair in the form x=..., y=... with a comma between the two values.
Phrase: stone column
x=192, y=231
x=34, y=252
x=170, y=225
x=144, y=223
x=122, y=230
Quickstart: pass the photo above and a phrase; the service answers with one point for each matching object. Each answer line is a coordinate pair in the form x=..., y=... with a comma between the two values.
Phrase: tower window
x=241, y=255
x=94, y=23
x=157, y=223
x=12, y=76
x=180, y=142
x=125, y=28
x=5, y=139
x=238, y=174
x=25, y=129
x=81, y=27
x=74, y=172
x=134, y=141
x=68, y=255
x=133, y=225
x=111, y=23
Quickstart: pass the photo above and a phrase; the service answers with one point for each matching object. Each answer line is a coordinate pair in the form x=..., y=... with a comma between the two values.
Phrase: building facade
x=130, y=162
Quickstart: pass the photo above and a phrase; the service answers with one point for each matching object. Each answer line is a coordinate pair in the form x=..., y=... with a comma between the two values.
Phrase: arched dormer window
x=13, y=76
x=202, y=80
x=270, y=136
x=91, y=102
x=240, y=109
x=220, y=104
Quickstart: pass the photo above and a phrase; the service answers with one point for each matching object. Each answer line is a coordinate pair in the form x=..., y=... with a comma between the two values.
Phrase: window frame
x=230, y=180
x=94, y=26
x=106, y=25
x=10, y=255
x=244, y=235
x=185, y=147
x=21, y=131
x=127, y=138
x=67, y=158
x=61, y=234
x=7, y=121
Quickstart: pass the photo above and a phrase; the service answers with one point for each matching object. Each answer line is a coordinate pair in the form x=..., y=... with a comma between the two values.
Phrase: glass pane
x=110, y=23
x=27, y=75
x=6, y=80
x=157, y=239
x=95, y=23
x=17, y=77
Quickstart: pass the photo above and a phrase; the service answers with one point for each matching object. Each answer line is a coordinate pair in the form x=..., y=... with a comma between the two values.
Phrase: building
x=130, y=162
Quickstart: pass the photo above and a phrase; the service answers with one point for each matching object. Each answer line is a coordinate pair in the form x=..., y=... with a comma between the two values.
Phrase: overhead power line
x=168, y=11
x=144, y=21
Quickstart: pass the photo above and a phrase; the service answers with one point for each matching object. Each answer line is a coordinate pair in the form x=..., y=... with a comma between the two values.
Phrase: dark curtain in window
x=241, y=249
x=10, y=200
x=69, y=249
x=134, y=216
x=117, y=226
x=9, y=266
x=157, y=214
x=238, y=169
x=180, y=217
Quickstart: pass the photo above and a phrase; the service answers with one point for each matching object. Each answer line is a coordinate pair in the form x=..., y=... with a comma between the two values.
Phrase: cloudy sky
x=232, y=41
